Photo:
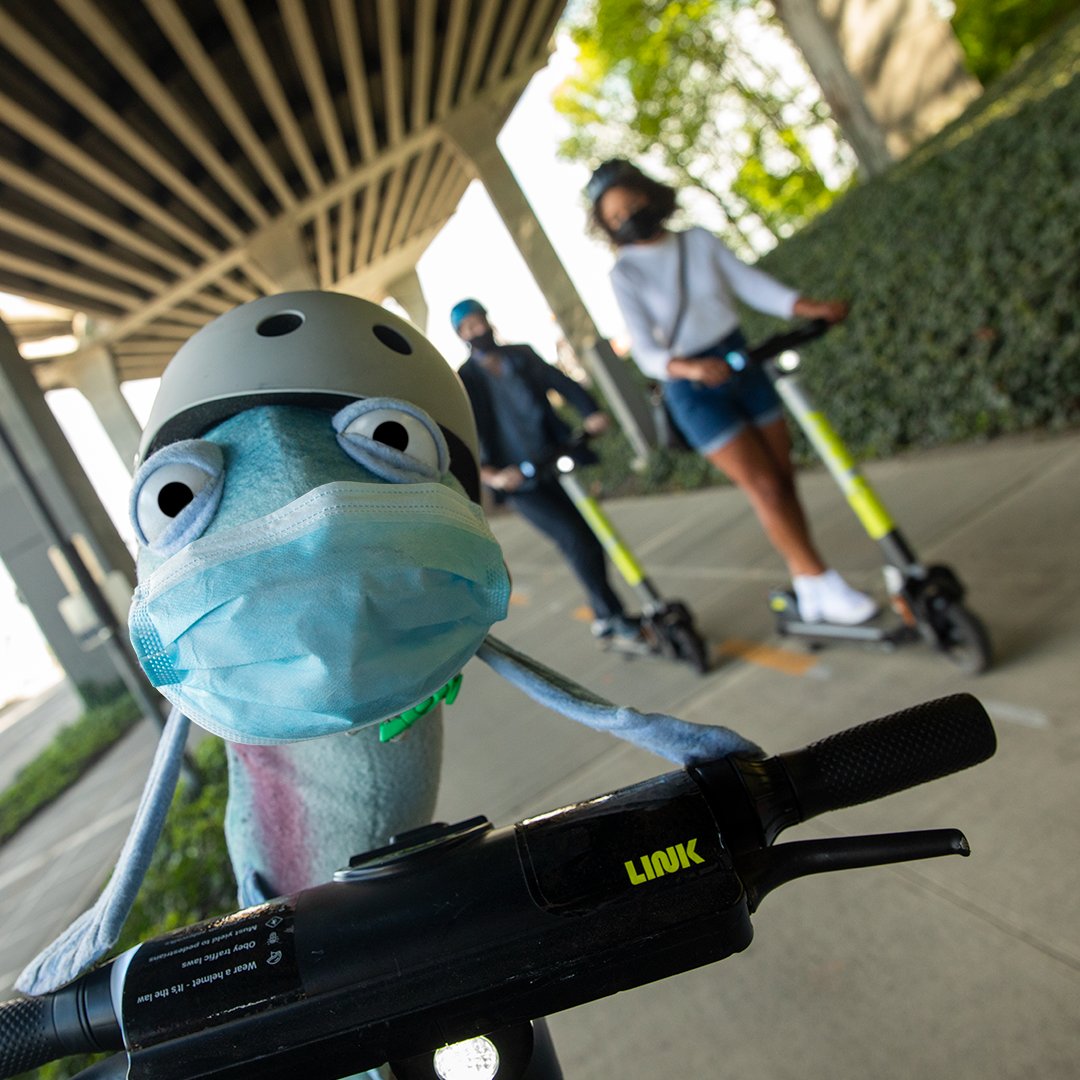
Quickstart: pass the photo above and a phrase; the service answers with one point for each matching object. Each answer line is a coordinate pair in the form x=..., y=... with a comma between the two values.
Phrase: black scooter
x=927, y=599
x=436, y=952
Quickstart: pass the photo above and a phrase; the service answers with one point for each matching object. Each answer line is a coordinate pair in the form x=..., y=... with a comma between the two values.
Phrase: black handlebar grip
x=789, y=339
x=883, y=756
x=27, y=1035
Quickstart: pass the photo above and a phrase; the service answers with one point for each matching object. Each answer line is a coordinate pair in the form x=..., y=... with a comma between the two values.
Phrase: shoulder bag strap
x=680, y=239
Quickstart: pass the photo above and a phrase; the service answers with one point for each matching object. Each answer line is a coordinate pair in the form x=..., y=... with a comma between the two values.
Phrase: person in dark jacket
x=508, y=387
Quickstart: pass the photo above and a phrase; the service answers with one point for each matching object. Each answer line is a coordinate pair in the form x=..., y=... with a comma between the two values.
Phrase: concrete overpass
x=161, y=162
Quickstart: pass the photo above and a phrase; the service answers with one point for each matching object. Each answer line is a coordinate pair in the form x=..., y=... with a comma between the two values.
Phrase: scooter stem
x=864, y=501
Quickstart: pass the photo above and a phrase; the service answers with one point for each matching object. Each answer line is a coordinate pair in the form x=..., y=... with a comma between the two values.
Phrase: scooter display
x=928, y=600
x=667, y=626
x=437, y=951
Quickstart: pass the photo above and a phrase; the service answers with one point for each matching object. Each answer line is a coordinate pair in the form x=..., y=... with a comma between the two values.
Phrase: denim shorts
x=711, y=416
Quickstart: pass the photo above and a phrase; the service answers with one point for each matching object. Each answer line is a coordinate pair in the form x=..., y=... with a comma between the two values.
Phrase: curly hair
x=662, y=196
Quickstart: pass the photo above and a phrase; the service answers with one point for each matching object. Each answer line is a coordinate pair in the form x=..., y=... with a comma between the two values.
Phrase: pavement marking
x=76, y=839
x=783, y=660
x=519, y=599
x=1016, y=714
x=583, y=614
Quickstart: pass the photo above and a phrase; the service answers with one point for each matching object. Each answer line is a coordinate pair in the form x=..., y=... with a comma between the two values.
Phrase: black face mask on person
x=484, y=342
x=642, y=224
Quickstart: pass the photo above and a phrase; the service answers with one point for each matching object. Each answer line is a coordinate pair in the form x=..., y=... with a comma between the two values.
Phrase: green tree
x=993, y=32
x=682, y=84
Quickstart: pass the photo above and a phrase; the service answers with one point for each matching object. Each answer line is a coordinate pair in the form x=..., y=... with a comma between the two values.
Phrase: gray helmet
x=609, y=174
x=317, y=349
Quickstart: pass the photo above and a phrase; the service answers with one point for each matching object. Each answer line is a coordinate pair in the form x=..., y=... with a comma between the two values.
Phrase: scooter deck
x=876, y=632
x=871, y=635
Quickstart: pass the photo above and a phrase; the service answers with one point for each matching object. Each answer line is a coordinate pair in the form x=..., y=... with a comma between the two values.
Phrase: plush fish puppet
x=313, y=565
x=314, y=572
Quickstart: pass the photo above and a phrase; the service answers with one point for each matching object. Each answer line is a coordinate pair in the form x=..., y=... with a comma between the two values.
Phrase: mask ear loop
x=676, y=740
x=97, y=930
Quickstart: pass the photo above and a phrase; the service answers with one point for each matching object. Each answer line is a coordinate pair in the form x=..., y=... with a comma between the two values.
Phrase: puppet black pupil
x=172, y=498
x=392, y=434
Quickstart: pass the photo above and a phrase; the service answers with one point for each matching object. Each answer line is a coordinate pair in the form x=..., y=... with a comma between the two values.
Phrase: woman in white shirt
x=676, y=291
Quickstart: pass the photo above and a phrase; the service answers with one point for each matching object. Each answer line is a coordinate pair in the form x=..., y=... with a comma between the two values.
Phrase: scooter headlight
x=788, y=360
x=473, y=1059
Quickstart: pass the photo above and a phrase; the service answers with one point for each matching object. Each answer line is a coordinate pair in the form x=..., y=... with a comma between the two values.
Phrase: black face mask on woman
x=484, y=342
x=642, y=224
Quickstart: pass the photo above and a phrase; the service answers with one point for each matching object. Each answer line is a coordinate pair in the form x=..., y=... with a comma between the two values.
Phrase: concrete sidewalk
x=950, y=968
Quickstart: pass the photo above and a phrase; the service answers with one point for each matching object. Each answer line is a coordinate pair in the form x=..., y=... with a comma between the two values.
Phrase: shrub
x=993, y=33
x=63, y=761
x=190, y=877
x=962, y=266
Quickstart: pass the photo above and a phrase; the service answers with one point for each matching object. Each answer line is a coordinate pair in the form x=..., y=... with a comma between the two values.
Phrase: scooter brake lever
x=764, y=869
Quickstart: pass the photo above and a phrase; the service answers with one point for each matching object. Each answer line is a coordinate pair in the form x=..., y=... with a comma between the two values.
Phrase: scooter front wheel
x=963, y=637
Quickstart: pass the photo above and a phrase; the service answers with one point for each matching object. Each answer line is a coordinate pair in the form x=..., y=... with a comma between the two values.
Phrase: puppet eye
x=175, y=495
x=400, y=431
x=395, y=440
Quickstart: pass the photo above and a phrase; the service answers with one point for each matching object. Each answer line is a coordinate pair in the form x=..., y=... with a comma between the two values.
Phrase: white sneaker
x=829, y=598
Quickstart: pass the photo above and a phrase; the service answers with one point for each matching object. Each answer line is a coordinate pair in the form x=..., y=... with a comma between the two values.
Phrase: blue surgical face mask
x=344, y=607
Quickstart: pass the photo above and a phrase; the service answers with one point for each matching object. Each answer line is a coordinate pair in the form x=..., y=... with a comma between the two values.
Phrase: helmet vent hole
x=392, y=339
x=391, y=433
x=285, y=322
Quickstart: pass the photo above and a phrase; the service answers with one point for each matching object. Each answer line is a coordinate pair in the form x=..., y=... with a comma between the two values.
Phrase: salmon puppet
x=314, y=572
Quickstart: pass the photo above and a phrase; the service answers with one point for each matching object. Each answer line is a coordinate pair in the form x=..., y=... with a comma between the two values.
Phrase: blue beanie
x=463, y=308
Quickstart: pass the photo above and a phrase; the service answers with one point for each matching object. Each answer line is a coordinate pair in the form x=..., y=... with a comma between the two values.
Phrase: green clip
x=396, y=725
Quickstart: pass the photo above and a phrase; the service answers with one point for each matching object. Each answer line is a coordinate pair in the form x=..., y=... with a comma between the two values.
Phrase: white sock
x=828, y=597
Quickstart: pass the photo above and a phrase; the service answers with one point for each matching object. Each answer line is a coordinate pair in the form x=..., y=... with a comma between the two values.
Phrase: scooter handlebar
x=790, y=339
x=755, y=799
x=78, y=1018
x=577, y=441
x=28, y=1037
x=559, y=909
x=883, y=756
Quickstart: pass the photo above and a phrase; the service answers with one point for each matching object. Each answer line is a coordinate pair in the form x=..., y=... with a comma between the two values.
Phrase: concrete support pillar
x=474, y=131
x=24, y=543
x=892, y=71
x=816, y=38
x=93, y=373
x=908, y=62
x=409, y=293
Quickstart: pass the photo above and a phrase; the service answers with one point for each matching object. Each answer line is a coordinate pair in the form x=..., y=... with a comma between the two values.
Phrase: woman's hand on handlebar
x=832, y=311
x=596, y=423
x=707, y=370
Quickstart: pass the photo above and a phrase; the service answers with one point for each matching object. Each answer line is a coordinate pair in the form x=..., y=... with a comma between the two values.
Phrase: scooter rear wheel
x=687, y=643
x=673, y=635
x=963, y=637
x=690, y=647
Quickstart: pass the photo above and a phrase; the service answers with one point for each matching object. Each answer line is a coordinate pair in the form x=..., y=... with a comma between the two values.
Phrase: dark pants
x=549, y=508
